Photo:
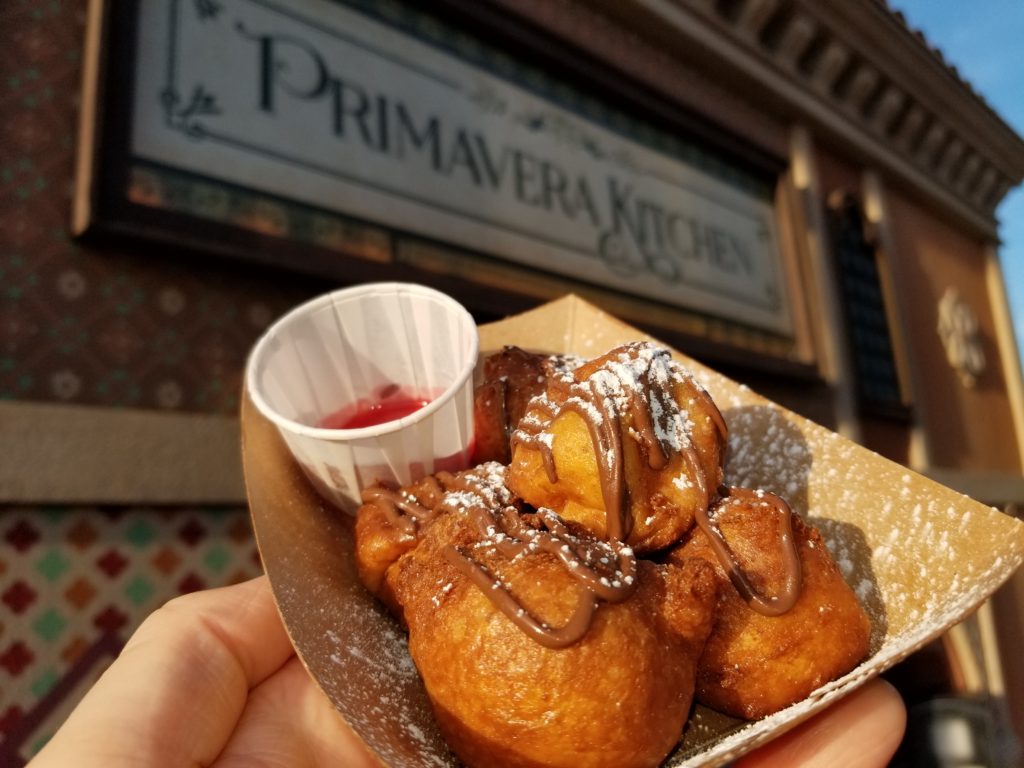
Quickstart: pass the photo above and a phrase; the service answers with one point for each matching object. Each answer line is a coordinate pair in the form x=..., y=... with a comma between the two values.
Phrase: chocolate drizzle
x=774, y=605
x=600, y=571
x=530, y=433
x=632, y=391
x=410, y=510
x=588, y=562
x=401, y=508
x=637, y=381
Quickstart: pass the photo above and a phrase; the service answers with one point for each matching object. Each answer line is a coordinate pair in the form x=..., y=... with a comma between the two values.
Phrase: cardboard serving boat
x=921, y=557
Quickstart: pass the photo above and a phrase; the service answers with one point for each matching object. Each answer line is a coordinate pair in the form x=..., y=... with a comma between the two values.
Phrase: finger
x=290, y=723
x=174, y=694
x=862, y=730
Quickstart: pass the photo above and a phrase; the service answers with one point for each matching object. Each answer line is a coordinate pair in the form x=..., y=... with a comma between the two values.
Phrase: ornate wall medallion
x=958, y=329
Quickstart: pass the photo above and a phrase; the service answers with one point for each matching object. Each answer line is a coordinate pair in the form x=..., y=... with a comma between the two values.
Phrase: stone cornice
x=860, y=75
x=921, y=82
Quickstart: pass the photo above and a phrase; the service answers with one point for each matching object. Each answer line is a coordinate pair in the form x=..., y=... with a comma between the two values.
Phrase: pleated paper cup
x=374, y=348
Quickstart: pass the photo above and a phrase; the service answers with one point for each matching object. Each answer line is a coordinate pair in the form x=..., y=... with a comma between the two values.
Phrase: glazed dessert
x=539, y=644
x=786, y=621
x=567, y=599
x=629, y=445
x=511, y=379
x=392, y=521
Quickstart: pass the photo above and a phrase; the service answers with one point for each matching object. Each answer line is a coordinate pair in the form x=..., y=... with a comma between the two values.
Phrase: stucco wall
x=967, y=428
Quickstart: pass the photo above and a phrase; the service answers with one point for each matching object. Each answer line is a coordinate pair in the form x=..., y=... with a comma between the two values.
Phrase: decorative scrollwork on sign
x=570, y=133
x=184, y=116
x=958, y=329
x=208, y=9
x=486, y=98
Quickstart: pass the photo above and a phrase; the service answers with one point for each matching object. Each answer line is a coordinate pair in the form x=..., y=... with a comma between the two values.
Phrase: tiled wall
x=74, y=584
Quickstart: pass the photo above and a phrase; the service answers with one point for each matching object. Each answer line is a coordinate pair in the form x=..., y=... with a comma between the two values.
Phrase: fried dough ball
x=756, y=664
x=511, y=378
x=618, y=695
x=391, y=521
x=629, y=447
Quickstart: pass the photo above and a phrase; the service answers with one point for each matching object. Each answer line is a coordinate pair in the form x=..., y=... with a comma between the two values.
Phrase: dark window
x=867, y=323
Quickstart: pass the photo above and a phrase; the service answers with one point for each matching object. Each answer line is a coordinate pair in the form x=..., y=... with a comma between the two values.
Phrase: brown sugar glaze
x=636, y=384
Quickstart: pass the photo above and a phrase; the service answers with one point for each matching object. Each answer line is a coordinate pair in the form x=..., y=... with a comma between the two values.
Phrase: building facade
x=800, y=194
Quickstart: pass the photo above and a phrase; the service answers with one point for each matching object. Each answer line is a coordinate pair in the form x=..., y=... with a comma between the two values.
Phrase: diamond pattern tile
x=73, y=651
x=217, y=558
x=110, y=619
x=80, y=593
x=49, y=625
x=19, y=596
x=112, y=563
x=191, y=583
x=16, y=658
x=22, y=535
x=45, y=682
x=140, y=533
x=82, y=534
x=139, y=590
x=166, y=560
x=191, y=532
x=52, y=565
x=239, y=531
x=75, y=578
x=9, y=717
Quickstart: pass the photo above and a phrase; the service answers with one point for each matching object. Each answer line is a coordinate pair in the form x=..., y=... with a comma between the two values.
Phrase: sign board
x=341, y=107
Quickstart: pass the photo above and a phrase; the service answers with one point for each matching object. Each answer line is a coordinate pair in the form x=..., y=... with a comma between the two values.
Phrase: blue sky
x=983, y=39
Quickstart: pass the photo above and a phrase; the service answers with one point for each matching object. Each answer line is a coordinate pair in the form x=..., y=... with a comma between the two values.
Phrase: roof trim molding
x=855, y=71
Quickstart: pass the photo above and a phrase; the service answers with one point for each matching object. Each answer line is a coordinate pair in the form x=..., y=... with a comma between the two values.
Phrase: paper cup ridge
x=344, y=347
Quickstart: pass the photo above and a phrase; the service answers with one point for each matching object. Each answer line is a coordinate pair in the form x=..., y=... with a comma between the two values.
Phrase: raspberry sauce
x=368, y=413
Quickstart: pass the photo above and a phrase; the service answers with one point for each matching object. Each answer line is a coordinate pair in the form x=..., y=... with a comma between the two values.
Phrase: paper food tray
x=920, y=556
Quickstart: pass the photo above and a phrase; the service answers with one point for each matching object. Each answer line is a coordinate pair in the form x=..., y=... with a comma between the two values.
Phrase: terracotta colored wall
x=966, y=428
x=122, y=326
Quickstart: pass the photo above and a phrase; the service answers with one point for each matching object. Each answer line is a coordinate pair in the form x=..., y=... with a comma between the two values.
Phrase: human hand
x=211, y=679
x=863, y=730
